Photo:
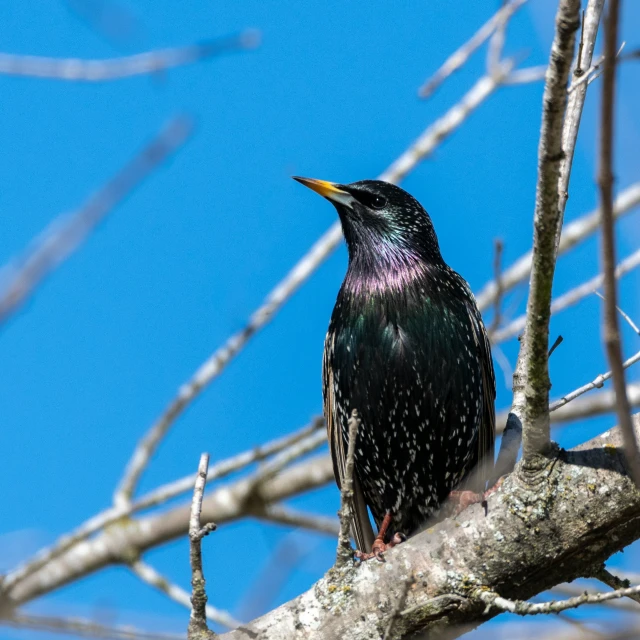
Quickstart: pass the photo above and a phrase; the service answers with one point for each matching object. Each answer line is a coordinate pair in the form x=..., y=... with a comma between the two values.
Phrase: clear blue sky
x=92, y=359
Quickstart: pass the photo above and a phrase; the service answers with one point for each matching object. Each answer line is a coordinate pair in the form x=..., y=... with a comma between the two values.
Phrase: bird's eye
x=372, y=200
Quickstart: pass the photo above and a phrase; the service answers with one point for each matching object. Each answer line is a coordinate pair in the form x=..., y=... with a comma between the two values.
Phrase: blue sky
x=93, y=358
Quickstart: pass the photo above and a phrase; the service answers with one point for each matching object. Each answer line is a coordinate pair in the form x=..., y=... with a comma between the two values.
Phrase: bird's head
x=380, y=220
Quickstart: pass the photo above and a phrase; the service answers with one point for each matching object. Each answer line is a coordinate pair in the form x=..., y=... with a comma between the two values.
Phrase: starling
x=407, y=348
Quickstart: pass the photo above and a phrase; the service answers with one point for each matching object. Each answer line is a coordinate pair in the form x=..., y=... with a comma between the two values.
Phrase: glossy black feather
x=407, y=348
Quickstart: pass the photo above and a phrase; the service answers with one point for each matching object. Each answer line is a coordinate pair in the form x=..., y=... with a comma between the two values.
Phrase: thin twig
x=572, y=589
x=611, y=329
x=521, y=608
x=535, y=345
x=422, y=148
x=77, y=70
x=558, y=341
x=153, y=498
x=595, y=404
x=605, y=576
x=345, y=551
x=629, y=321
x=83, y=628
x=568, y=299
x=150, y=576
x=595, y=384
x=459, y=57
x=572, y=234
x=66, y=233
x=198, y=629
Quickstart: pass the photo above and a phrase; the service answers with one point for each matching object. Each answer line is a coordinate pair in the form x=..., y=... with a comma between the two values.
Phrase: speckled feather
x=407, y=348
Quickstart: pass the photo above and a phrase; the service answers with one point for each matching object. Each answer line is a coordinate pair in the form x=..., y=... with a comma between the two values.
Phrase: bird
x=407, y=348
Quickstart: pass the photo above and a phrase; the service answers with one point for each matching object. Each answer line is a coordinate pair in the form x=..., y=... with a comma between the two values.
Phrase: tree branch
x=67, y=232
x=611, y=329
x=76, y=70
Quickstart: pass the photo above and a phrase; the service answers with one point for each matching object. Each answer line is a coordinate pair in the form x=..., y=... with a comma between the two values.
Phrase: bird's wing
x=487, y=433
x=361, y=526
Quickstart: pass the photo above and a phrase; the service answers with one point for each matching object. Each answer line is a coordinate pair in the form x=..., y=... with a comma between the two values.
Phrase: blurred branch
x=82, y=628
x=459, y=57
x=198, y=629
x=133, y=536
x=547, y=220
x=299, y=519
x=154, y=498
x=66, y=233
x=595, y=404
x=497, y=275
x=150, y=576
x=611, y=329
x=569, y=298
x=77, y=70
x=573, y=233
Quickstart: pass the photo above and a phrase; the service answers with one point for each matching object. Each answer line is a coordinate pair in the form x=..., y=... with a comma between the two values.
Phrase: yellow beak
x=329, y=190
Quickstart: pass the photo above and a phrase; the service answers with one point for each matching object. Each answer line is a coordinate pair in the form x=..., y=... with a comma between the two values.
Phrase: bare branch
x=149, y=575
x=294, y=518
x=573, y=234
x=198, y=629
x=611, y=329
x=497, y=275
x=458, y=58
x=595, y=404
x=595, y=384
x=606, y=577
x=133, y=536
x=154, y=498
x=83, y=628
x=344, y=554
x=547, y=219
x=534, y=608
x=575, y=590
x=77, y=70
x=569, y=298
x=65, y=233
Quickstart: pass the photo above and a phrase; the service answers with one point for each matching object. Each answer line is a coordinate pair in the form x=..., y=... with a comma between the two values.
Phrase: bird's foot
x=379, y=547
x=464, y=499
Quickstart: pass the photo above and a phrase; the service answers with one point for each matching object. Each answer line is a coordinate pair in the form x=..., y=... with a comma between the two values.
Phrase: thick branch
x=529, y=541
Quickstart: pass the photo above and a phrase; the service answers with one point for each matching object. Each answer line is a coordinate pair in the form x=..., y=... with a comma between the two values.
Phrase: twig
x=521, y=608
x=83, y=628
x=399, y=607
x=345, y=551
x=153, y=498
x=574, y=590
x=611, y=329
x=572, y=234
x=150, y=576
x=606, y=577
x=547, y=219
x=568, y=299
x=198, y=629
x=292, y=517
x=497, y=277
x=595, y=384
x=527, y=76
x=433, y=136
x=458, y=58
x=77, y=70
x=629, y=321
x=63, y=235
x=558, y=341
x=595, y=404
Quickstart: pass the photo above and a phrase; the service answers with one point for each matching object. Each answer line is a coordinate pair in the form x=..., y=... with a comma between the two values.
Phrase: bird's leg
x=379, y=545
x=464, y=499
